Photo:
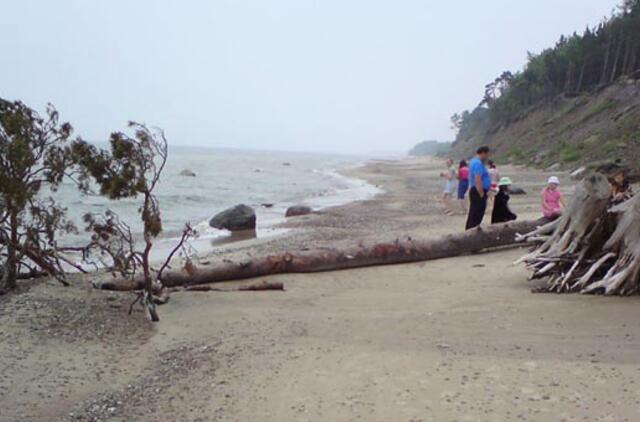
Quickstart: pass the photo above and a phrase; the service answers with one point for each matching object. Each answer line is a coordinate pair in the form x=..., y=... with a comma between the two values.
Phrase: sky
x=351, y=76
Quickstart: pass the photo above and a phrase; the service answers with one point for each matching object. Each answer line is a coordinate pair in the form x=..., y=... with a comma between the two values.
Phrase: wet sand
x=455, y=339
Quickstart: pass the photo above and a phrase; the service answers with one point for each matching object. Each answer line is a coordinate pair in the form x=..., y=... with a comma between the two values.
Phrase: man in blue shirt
x=480, y=184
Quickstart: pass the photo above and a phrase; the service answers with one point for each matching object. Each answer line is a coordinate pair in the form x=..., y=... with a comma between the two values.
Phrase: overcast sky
x=323, y=75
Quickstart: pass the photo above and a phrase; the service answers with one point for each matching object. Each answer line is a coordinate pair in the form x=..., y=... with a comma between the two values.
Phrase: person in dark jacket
x=501, y=212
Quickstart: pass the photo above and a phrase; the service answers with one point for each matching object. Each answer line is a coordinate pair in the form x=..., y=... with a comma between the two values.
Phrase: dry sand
x=460, y=339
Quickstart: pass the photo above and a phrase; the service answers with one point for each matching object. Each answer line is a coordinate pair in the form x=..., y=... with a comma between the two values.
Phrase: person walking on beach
x=480, y=184
x=552, y=199
x=501, y=212
x=449, y=177
x=463, y=184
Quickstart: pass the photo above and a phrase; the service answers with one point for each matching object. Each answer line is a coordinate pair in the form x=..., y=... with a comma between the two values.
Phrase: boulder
x=240, y=217
x=297, y=210
x=517, y=191
x=188, y=173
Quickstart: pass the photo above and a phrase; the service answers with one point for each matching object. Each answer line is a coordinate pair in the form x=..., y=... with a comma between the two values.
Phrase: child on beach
x=449, y=185
x=463, y=184
x=552, y=199
x=501, y=212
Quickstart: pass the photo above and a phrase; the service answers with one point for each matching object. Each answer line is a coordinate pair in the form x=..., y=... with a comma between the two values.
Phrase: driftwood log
x=398, y=252
x=593, y=248
x=258, y=287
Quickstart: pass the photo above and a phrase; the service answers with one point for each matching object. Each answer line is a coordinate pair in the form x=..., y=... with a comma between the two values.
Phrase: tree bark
x=616, y=59
x=626, y=56
x=568, y=83
x=250, y=288
x=581, y=77
x=398, y=252
x=634, y=60
x=10, y=272
x=603, y=77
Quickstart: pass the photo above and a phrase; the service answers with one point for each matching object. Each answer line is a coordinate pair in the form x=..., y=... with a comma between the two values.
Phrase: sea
x=268, y=181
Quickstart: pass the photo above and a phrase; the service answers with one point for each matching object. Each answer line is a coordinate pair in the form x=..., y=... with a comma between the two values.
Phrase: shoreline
x=434, y=340
x=271, y=221
x=421, y=216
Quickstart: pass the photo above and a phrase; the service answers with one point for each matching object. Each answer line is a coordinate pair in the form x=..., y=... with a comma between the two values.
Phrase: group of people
x=481, y=180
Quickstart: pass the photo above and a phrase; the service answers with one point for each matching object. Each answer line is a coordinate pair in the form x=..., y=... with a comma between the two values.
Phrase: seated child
x=501, y=212
x=552, y=199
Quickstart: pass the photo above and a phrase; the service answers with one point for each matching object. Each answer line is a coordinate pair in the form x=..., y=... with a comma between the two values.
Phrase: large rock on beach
x=297, y=210
x=240, y=217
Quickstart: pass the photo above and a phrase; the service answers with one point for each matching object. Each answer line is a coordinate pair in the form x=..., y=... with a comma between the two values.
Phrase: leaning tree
x=593, y=248
x=34, y=160
x=131, y=168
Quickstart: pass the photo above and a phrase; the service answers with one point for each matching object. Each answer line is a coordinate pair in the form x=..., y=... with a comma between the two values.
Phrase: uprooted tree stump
x=593, y=248
x=319, y=260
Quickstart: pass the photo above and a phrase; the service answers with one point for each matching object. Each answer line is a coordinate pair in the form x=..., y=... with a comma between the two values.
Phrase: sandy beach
x=460, y=339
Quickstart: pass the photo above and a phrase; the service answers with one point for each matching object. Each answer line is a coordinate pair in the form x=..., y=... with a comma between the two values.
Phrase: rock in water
x=188, y=173
x=240, y=217
x=296, y=210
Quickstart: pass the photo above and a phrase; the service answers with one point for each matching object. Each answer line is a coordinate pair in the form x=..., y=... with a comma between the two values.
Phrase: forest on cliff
x=565, y=99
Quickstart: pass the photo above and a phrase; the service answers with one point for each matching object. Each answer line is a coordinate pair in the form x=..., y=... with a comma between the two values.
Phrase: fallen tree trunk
x=33, y=273
x=250, y=288
x=398, y=252
x=592, y=248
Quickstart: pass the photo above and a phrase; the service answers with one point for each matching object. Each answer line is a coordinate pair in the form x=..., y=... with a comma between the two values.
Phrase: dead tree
x=593, y=248
x=398, y=252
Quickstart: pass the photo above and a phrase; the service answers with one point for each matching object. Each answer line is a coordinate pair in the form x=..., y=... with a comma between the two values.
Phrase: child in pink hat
x=552, y=199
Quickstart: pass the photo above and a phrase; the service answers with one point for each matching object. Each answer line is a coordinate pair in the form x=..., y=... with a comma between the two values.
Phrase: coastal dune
x=453, y=339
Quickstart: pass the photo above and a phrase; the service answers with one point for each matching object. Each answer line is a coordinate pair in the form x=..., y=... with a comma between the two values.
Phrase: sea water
x=265, y=180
